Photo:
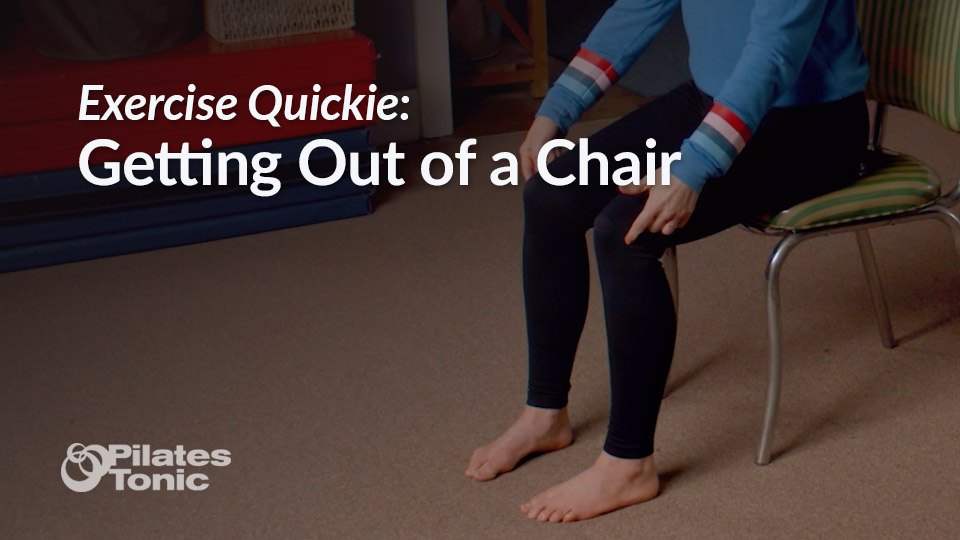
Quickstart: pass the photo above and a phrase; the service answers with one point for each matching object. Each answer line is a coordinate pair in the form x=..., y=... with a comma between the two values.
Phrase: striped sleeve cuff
x=587, y=77
x=722, y=134
x=711, y=150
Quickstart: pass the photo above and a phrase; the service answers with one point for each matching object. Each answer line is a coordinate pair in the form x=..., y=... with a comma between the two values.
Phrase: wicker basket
x=239, y=20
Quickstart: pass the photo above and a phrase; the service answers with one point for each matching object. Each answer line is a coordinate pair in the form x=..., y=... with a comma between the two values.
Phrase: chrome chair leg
x=876, y=289
x=671, y=269
x=947, y=216
x=777, y=259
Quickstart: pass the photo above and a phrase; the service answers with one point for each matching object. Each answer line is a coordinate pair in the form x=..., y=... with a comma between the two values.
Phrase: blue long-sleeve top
x=749, y=55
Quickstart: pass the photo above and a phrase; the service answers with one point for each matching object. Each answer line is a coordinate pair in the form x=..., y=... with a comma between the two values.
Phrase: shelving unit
x=521, y=60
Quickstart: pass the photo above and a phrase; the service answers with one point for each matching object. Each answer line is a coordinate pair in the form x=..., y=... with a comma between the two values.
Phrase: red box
x=40, y=96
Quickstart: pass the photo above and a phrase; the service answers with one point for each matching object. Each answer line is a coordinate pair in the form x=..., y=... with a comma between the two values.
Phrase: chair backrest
x=913, y=47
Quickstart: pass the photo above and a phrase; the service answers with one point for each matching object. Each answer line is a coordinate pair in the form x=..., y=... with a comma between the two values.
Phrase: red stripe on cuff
x=732, y=119
x=600, y=62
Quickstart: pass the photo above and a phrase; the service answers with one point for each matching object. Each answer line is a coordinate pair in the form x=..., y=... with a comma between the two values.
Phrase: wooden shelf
x=511, y=65
x=522, y=59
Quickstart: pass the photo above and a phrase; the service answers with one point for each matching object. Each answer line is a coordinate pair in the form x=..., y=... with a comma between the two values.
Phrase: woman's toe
x=534, y=510
x=544, y=514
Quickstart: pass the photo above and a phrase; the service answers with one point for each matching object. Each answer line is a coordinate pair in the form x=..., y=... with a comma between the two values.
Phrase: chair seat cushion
x=889, y=184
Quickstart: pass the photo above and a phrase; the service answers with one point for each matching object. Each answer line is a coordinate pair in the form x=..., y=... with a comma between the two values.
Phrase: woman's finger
x=526, y=164
x=634, y=189
x=663, y=218
x=642, y=223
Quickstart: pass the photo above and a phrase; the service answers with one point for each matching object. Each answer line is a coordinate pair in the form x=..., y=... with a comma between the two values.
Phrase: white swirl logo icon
x=93, y=461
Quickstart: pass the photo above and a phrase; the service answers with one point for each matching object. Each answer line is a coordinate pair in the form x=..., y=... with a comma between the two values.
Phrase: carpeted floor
x=351, y=367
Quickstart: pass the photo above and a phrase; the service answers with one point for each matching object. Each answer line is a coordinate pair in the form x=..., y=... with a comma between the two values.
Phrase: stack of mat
x=50, y=214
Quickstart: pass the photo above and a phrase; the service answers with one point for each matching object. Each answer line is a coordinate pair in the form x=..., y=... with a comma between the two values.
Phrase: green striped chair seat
x=912, y=47
x=890, y=184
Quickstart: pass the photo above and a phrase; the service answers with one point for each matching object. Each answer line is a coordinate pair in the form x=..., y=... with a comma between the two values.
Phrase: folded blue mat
x=56, y=217
x=187, y=232
x=49, y=229
x=70, y=182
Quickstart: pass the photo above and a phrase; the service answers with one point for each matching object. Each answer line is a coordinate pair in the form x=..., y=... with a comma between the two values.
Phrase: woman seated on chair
x=775, y=115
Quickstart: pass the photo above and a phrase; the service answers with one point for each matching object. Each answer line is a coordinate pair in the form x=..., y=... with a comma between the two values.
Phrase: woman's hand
x=668, y=208
x=542, y=131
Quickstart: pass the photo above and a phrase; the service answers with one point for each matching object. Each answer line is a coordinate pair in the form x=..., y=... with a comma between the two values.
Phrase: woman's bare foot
x=537, y=430
x=609, y=484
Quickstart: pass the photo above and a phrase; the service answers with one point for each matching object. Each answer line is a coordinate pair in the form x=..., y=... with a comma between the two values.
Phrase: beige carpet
x=351, y=367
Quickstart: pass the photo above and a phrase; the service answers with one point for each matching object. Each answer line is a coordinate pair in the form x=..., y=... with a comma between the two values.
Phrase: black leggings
x=796, y=154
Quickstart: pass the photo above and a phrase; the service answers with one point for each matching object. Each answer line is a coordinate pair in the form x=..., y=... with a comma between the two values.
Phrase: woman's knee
x=610, y=231
x=549, y=204
x=608, y=234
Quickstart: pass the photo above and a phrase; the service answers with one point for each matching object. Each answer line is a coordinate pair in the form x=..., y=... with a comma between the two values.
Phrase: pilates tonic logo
x=169, y=470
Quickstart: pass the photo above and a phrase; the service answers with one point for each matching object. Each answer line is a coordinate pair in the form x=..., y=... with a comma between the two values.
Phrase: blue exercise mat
x=49, y=184
x=177, y=234
x=58, y=216
x=49, y=230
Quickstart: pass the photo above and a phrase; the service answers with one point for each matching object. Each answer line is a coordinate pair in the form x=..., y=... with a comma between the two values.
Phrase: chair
x=913, y=47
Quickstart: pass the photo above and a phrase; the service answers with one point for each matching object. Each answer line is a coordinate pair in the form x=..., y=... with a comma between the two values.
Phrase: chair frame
x=939, y=209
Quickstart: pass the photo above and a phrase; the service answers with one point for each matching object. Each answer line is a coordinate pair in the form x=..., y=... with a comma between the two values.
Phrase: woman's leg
x=556, y=274
x=797, y=154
